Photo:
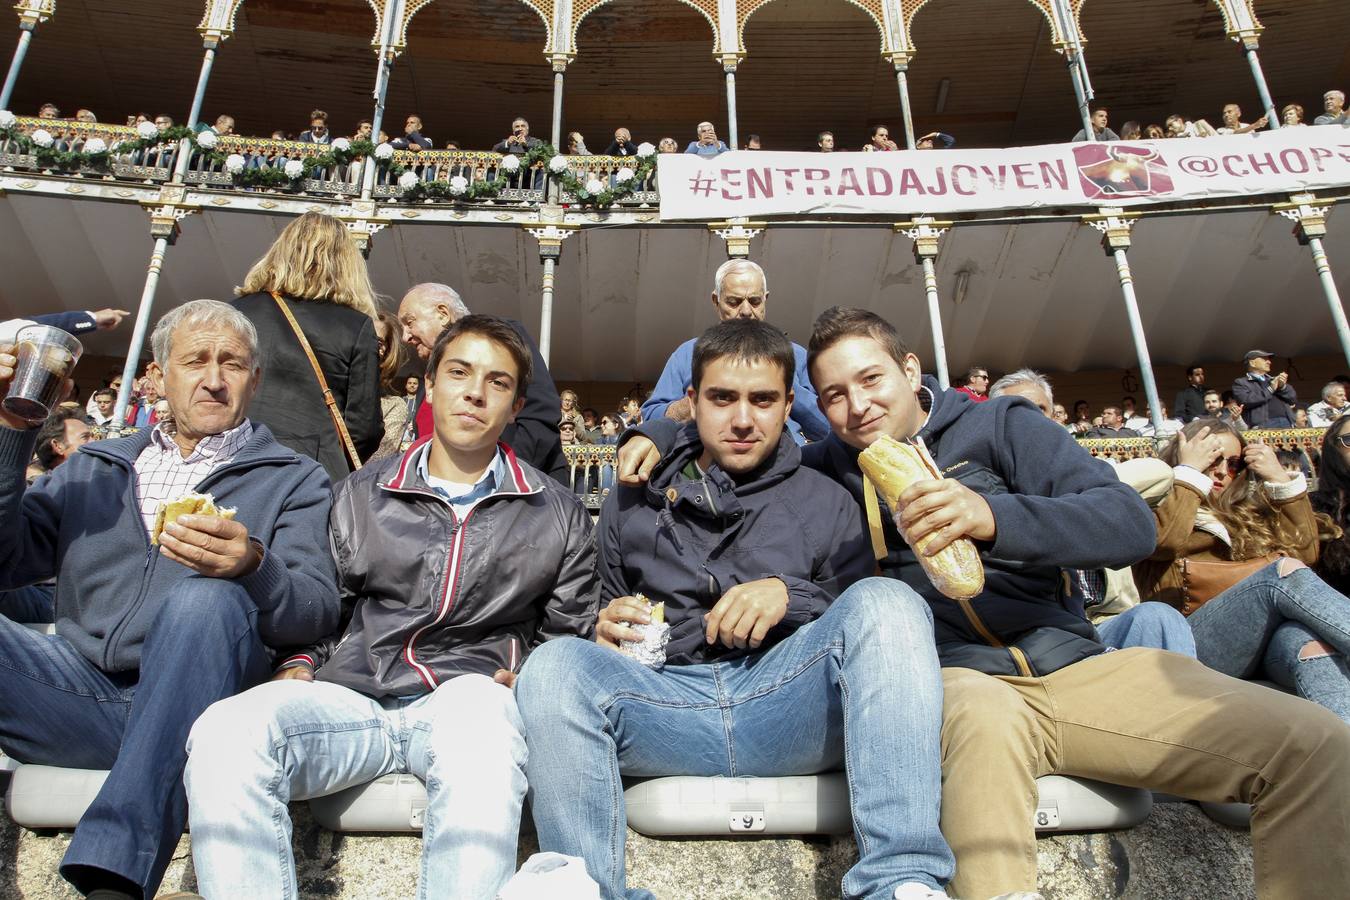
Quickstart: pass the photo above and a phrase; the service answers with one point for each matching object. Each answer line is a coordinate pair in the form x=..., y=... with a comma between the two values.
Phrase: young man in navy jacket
x=1028, y=688
x=766, y=673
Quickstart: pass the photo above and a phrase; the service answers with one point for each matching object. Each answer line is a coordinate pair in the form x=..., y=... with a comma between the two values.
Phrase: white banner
x=934, y=182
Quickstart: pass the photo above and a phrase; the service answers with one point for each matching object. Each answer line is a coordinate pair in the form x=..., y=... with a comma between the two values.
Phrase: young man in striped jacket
x=440, y=608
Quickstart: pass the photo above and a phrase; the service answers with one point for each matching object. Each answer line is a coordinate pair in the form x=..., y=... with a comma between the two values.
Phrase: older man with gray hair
x=707, y=143
x=740, y=291
x=1333, y=102
x=153, y=626
x=429, y=308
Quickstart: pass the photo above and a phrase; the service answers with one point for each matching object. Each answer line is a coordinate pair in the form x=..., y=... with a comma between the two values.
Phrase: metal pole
x=194, y=115
x=25, y=37
x=557, y=111
x=1273, y=119
x=935, y=320
x=546, y=315
x=393, y=13
x=1080, y=93
x=142, y=326
x=733, y=142
x=902, y=78
x=1137, y=332
x=1333, y=296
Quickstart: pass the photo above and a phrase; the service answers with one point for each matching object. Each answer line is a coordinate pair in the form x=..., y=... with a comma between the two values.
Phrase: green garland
x=269, y=177
x=491, y=188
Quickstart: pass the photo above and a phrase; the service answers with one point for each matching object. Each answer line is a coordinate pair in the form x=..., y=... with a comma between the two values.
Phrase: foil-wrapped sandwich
x=189, y=504
x=651, y=650
x=892, y=466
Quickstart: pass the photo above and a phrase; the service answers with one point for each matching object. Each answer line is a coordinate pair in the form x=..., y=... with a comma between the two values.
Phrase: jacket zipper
x=449, y=593
x=147, y=572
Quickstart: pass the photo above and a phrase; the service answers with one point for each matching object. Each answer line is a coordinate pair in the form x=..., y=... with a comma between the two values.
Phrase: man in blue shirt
x=740, y=291
x=707, y=143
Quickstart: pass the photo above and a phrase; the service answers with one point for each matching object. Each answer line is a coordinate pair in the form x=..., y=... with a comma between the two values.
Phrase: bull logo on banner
x=1110, y=171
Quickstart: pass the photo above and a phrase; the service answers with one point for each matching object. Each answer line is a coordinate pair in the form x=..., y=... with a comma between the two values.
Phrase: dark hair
x=747, y=340
x=318, y=114
x=975, y=370
x=494, y=329
x=1190, y=370
x=1289, y=456
x=840, y=322
x=1332, y=497
x=1216, y=392
x=1226, y=397
x=1130, y=131
x=53, y=429
x=105, y=392
x=878, y=127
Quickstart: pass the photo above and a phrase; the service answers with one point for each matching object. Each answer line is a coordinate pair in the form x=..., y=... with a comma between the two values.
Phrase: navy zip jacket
x=686, y=542
x=82, y=526
x=1055, y=507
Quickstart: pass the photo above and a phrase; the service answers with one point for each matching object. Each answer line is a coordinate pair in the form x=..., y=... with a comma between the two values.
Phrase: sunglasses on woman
x=1343, y=440
x=1235, y=465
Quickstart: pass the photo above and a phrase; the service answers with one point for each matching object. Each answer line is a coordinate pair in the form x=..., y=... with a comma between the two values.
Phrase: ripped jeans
x=1267, y=620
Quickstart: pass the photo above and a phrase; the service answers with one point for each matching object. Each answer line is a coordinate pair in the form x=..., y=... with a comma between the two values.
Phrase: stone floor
x=1178, y=854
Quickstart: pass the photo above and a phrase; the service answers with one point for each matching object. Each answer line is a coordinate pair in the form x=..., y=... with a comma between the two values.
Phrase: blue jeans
x=289, y=740
x=1266, y=620
x=1155, y=625
x=859, y=687
x=58, y=709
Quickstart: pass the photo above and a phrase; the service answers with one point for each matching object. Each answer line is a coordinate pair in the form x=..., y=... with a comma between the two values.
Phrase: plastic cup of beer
x=46, y=357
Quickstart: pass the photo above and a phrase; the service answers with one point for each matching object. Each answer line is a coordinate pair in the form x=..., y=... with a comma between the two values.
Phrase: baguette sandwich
x=189, y=504
x=892, y=466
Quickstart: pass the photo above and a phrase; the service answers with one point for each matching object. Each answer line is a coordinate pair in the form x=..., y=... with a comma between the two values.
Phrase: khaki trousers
x=1151, y=719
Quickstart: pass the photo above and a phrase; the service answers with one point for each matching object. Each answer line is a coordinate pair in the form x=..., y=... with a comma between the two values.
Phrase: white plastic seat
x=818, y=804
x=393, y=803
x=49, y=797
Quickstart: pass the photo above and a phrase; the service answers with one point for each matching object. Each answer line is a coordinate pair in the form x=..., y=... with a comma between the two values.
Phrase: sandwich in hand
x=189, y=504
x=892, y=466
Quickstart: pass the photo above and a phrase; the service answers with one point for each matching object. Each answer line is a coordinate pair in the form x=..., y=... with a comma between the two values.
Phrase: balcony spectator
x=363, y=130
x=1230, y=410
x=570, y=407
x=413, y=139
x=933, y=139
x=1301, y=416
x=667, y=145
x=1292, y=116
x=1130, y=414
x=567, y=433
x=1166, y=426
x=318, y=129
x=1267, y=401
x=1331, y=407
x=881, y=140
x=223, y=127
x=1113, y=425
x=141, y=410
x=1131, y=131
x=752, y=142
x=632, y=412
x=1101, y=130
x=1333, y=102
x=825, y=141
x=590, y=424
x=104, y=400
x=976, y=384
x=314, y=268
x=622, y=145
x=1233, y=124
x=1190, y=402
x=610, y=427
x=740, y=291
x=518, y=142
x=86, y=117
x=1180, y=127
x=707, y=143
x=49, y=111
x=1154, y=133
x=1060, y=414
x=576, y=144
x=133, y=121
x=1082, y=418
x=280, y=135
x=163, y=122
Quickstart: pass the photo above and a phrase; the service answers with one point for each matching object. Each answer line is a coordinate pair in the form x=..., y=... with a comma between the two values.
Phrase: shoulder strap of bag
x=333, y=411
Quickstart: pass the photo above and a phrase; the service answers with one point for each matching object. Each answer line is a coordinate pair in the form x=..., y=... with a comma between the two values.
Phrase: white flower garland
x=42, y=138
x=206, y=140
x=147, y=130
x=294, y=169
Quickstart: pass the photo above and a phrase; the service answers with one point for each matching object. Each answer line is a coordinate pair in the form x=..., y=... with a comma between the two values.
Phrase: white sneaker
x=917, y=890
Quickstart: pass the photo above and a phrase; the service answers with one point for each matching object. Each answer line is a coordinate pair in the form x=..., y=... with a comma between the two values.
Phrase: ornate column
x=1114, y=224
x=1242, y=26
x=738, y=233
x=550, y=238
x=730, y=54
x=896, y=45
x=217, y=26
x=901, y=63
x=560, y=54
x=926, y=233
x=389, y=47
x=1311, y=220
x=165, y=214
x=32, y=13
x=363, y=223
x=1069, y=41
